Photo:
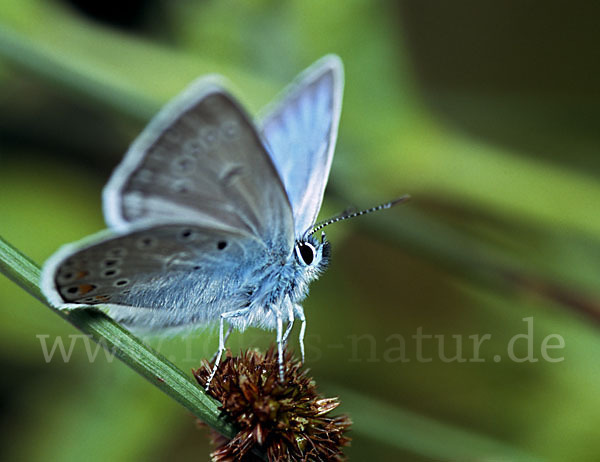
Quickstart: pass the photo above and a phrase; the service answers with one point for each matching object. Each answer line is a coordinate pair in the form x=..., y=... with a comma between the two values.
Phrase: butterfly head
x=312, y=254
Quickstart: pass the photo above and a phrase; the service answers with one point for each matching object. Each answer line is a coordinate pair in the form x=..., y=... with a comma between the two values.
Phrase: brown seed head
x=286, y=420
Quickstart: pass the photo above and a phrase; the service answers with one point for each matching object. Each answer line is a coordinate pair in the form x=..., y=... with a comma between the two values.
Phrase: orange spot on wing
x=85, y=288
x=81, y=274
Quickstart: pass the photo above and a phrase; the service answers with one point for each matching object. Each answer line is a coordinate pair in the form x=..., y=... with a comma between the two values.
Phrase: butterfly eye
x=305, y=252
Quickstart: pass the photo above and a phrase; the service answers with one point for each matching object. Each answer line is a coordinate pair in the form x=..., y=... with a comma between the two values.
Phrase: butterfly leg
x=299, y=312
x=227, y=334
x=290, y=325
x=280, y=343
x=224, y=316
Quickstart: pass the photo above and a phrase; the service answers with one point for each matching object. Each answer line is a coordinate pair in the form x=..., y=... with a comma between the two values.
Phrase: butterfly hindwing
x=144, y=274
x=300, y=131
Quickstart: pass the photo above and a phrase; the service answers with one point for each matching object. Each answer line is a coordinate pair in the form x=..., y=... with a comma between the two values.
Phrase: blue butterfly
x=211, y=219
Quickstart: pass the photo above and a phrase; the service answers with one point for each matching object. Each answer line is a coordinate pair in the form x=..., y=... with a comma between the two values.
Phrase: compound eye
x=305, y=252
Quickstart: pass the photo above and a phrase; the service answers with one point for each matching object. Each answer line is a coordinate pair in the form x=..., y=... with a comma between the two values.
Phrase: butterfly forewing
x=201, y=159
x=301, y=131
x=160, y=268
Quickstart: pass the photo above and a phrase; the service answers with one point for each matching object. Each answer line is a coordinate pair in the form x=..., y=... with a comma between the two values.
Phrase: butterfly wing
x=300, y=131
x=196, y=206
x=156, y=276
x=200, y=160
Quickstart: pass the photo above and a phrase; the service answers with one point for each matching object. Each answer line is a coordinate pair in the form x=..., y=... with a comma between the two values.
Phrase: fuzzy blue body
x=275, y=285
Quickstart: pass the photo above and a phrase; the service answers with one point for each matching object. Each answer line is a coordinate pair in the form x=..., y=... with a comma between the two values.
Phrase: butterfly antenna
x=345, y=216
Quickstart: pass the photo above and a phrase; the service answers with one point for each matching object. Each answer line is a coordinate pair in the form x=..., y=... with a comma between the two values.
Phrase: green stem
x=128, y=348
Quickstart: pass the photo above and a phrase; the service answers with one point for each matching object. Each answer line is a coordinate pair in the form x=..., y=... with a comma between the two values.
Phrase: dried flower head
x=286, y=420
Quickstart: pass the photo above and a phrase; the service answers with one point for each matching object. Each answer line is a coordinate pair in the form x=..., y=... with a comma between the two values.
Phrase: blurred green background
x=487, y=113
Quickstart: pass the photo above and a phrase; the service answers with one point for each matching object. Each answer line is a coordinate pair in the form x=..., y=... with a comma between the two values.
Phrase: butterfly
x=212, y=219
